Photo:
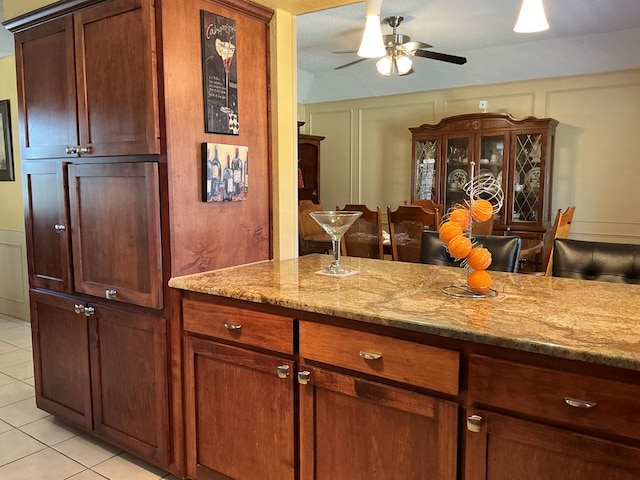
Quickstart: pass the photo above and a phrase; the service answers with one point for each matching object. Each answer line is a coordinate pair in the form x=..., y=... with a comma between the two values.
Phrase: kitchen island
x=382, y=375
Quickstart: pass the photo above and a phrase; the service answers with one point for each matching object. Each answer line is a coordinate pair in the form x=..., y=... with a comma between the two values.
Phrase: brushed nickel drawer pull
x=232, y=326
x=304, y=377
x=110, y=294
x=370, y=355
x=577, y=403
x=474, y=423
x=59, y=228
x=283, y=371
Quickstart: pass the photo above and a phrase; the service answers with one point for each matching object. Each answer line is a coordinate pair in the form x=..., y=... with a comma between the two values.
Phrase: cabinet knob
x=474, y=423
x=283, y=371
x=110, y=294
x=370, y=355
x=83, y=150
x=78, y=308
x=71, y=150
x=232, y=326
x=304, y=377
x=60, y=228
x=88, y=311
x=578, y=403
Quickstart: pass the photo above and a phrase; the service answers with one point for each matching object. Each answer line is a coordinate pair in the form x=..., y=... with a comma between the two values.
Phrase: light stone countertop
x=590, y=321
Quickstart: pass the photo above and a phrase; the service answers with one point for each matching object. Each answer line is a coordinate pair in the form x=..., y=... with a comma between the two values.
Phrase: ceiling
x=586, y=36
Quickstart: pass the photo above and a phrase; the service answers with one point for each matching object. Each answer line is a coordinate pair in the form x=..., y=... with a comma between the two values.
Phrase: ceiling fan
x=399, y=48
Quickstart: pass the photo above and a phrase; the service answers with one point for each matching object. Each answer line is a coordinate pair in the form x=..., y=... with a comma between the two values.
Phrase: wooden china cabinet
x=308, y=166
x=517, y=153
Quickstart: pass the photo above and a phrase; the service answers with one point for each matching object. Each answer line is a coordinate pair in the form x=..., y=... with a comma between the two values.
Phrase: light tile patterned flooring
x=35, y=445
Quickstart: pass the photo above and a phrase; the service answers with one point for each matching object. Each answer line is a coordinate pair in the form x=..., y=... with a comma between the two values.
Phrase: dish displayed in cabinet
x=484, y=171
x=457, y=178
x=532, y=178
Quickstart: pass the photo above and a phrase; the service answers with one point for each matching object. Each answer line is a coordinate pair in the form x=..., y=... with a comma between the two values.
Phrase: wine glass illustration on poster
x=220, y=79
x=225, y=172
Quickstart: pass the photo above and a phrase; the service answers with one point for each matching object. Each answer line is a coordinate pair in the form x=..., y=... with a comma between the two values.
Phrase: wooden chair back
x=364, y=237
x=561, y=229
x=482, y=228
x=430, y=206
x=312, y=238
x=406, y=225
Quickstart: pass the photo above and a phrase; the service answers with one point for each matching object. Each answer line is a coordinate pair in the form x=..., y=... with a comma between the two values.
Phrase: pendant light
x=371, y=45
x=531, y=18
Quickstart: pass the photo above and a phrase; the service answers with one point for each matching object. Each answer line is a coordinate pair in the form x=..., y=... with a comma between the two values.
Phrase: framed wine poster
x=225, y=172
x=6, y=151
x=219, y=74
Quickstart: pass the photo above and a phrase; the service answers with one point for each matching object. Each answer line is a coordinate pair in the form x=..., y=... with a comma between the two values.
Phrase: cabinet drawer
x=400, y=360
x=248, y=327
x=556, y=395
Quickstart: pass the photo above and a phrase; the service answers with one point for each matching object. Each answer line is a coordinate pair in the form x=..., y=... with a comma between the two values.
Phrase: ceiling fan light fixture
x=404, y=64
x=371, y=45
x=531, y=18
x=384, y=65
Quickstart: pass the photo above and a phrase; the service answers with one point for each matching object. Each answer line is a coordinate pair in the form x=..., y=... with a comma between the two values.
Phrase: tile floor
x=35, y=445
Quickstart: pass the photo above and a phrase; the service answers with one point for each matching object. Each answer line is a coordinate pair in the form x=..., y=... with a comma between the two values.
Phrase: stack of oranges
x=459, y=246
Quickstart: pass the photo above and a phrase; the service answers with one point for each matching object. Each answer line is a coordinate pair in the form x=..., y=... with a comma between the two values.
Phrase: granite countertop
x=590, y=321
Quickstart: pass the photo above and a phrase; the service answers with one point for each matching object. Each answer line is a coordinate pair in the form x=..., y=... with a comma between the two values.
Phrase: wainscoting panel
x=14, y=284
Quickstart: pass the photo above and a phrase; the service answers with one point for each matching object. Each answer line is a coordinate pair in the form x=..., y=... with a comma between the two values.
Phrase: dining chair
x=406, y=225
x=482, y=228
x=312, y=238
x=505, y=251
x=364, y=237
x=430, y=206
x=561, y=229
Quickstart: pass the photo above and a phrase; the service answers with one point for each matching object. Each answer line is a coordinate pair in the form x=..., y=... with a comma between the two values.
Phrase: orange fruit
x=481, y=210
x=479, y=258
x=459, y=247
x=479, y=281
x=460, y=216
x=449, y=230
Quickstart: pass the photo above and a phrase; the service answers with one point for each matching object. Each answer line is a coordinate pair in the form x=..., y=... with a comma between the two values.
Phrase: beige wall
x=366, y=156
x=14, y=292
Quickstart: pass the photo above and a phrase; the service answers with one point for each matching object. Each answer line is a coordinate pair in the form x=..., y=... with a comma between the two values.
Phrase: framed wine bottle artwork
x=225, y=172
x=219, y=72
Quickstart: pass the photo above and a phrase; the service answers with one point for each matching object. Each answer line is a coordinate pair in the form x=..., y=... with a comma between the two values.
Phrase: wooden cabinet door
x=357, y=429
x=46, y=89
x=239, y=413
x=129, y=381
x=506, y=448
x=61, y=358
x=47, y=226
x=116, y=78
x=115, y=221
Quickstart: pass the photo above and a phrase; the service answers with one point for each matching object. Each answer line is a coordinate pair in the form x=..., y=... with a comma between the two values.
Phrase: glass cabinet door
x=426, y=170
x=526, y=178
x=457, y=155
x=491, y=163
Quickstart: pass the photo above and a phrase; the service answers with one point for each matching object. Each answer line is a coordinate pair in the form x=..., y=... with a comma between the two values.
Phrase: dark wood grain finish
x=508, y=448
x=239, y=413
x=540, y=392
x=45, y=205
x=115, y=221
x=248, y=327
x=404, y=361
x=207, y=236
x=129, y=381
x=116, y=77
x=309, y=163
x=61, y=358
x=46, y=89
x=356, y=429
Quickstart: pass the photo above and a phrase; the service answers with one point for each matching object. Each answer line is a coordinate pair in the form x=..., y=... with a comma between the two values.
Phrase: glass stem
x=336, y=251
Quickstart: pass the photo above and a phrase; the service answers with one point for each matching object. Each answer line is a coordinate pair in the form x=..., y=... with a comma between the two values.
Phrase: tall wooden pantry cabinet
x=110, y=149
x=517, y=153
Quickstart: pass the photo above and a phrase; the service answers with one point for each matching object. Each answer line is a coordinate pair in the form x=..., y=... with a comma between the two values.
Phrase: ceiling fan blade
x=346, y=51
x=411, y=46
x=351, y=63
x=441, y=56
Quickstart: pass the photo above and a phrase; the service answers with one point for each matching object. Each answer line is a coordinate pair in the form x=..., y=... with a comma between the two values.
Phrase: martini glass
x=226, y=51
x=335, y=223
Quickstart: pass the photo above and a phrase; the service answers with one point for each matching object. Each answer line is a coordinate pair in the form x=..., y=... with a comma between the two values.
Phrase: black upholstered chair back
x=505, y=251
x=606, y=262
